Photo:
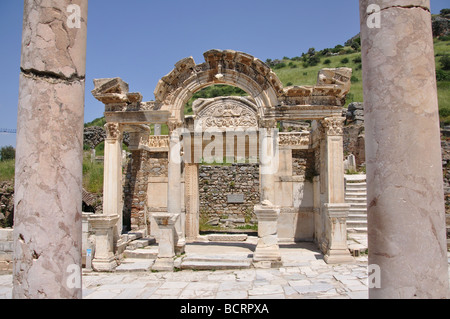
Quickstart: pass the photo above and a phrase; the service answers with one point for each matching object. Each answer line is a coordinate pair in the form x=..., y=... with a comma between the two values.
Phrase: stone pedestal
x=104, y=228
x=167, y=241
x=336, y=228
x=49, y=154
x=406, y=211
x=267, y=252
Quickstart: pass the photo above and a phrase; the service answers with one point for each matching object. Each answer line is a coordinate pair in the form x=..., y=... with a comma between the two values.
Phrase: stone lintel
x=297, y=113
x=138, y=117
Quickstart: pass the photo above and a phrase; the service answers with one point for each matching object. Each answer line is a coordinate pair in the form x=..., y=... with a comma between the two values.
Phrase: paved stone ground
x=304, y=275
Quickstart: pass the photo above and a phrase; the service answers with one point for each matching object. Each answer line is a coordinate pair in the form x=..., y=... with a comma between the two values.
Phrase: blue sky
x=141, y=40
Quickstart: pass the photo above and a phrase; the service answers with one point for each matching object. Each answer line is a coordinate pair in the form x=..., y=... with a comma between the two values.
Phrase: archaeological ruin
x=165, y=201
x=294, y=189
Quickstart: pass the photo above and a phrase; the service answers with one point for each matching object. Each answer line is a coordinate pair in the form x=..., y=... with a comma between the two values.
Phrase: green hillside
x=298, y=71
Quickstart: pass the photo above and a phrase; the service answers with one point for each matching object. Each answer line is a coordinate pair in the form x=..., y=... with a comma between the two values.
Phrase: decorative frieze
x=295, y=140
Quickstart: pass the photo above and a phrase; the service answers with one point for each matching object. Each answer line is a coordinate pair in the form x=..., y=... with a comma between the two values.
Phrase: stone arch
x=221, y=67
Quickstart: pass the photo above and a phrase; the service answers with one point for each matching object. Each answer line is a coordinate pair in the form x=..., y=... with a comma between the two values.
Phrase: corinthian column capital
x=113, y=131
x=333, y=126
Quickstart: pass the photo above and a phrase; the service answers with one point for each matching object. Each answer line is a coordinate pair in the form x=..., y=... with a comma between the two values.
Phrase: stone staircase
x=356, y=196
x=141, y=252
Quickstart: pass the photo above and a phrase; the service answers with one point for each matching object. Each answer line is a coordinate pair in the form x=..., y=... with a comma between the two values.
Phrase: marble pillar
x=268, y=159
x=406, y=212
x=335, y=210
x=112, y=177
x=174, y=183
x=48, y=180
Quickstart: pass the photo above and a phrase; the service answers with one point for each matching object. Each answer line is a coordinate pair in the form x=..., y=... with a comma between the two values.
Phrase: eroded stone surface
x=48, y=193
x=405, y=192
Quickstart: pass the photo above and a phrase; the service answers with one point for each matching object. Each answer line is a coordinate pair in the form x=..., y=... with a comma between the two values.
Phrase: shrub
x=7, y=153
x=311, y=51
x=354, y=79
x=327, y=61
x=357, y=59
x=445, y=62
x=279, y=66
x=289, y=84
x=444, y=112
x=345, y=61
x=442, y=75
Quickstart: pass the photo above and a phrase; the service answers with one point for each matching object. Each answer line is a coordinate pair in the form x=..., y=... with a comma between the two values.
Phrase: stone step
x=135, y=265
x=358, y=210
x=141, y=243
x=151, y=252
x=356, y=224
x=216, y=262
x=352, y=193
x=355, y=178
x=227, y=237
x=361, y=198
x=358, y=230
x=358, y=185
x=357, y=217
x=358, y=205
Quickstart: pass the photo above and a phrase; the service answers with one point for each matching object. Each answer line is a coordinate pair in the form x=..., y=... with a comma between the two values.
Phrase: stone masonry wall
x=141, y=166
x=216, y=182
x=6, y=204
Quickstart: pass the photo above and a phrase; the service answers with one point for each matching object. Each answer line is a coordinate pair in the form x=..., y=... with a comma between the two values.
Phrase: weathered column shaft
x=192, y=201
x=406, y=221
x=268, y=160
x=112, y=179
x=48, y=180
x=174, y=183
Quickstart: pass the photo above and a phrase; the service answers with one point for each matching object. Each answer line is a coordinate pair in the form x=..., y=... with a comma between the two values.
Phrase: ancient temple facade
x=162, y=196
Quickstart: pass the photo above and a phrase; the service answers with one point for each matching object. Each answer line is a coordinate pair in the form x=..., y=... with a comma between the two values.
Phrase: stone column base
x=163, y=264
x=338, y=256
x=104, y=265
x=267, y=252
x=267, y=257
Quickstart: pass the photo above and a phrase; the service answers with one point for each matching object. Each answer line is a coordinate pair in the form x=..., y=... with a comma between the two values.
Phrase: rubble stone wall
x=217, y=182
